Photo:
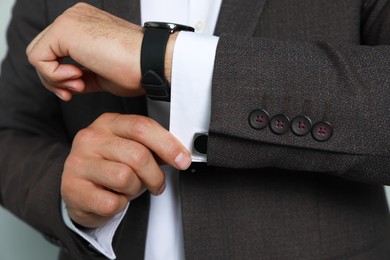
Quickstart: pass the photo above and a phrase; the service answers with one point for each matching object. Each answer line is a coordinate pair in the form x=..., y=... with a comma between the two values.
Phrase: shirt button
x=279, y=124
x=199, y=26
x=322, y=131
x=258, y=119
x=301, y=125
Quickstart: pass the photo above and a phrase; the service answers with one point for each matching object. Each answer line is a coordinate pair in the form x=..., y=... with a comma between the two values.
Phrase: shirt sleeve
x=192, y=72
x=100, y=238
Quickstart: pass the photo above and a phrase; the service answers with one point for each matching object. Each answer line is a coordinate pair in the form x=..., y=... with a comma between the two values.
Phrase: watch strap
x=153, y=64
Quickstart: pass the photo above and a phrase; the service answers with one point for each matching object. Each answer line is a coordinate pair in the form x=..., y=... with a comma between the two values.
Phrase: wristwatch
x=156, y=35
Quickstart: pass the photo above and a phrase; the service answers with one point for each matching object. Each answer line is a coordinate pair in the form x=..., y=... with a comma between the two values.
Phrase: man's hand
x=112, y=162
x=106, y=47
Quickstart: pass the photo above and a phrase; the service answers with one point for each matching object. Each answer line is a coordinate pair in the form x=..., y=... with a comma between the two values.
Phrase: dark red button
x=279, y=124
x=258, y=119
x=322, y=131
x=301, y=125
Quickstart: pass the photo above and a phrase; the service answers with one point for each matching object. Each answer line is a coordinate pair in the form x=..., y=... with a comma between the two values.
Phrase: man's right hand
x=106, y=49
x=112, y=162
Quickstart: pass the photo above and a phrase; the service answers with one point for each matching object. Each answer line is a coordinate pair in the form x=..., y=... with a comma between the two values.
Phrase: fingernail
x=71, y=88
x=59, y=95
x=183, y=161
x=161, y=190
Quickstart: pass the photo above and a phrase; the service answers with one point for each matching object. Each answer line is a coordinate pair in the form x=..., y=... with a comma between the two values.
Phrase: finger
x=73, y=85
x=84, y=81
x=55, y=72
x=152, y=135
x=87, y=220
x=139, y=159
x=103, y=144
x=64, y=94
x=88, y=198
x=45, y=53
x=33, y=43
x=115, y=176
x=96, y=83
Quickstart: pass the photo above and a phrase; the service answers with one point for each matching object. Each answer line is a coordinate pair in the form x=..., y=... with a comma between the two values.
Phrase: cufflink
x=199, y=144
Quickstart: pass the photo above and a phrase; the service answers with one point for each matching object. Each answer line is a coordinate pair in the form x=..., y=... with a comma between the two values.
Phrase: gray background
x=17, y=240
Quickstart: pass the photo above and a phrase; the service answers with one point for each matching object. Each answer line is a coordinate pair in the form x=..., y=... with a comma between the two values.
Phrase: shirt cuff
x=100, y=238
x=192, y=73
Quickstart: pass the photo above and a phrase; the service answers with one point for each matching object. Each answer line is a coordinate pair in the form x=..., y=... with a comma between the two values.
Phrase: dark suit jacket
x=262, y=195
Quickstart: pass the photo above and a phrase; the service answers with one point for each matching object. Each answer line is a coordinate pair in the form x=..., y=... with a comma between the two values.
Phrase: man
x=297, y=144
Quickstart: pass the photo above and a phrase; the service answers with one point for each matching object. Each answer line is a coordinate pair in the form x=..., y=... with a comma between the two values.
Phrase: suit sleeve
x=347, y=86
x=33, y=142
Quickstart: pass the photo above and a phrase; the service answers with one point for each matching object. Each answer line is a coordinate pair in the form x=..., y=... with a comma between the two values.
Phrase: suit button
x=279, y=124
x=258, y=119
x=322, y=131
x=301, y=125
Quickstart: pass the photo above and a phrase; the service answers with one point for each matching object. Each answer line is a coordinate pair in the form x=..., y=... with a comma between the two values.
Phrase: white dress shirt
x=187, y=114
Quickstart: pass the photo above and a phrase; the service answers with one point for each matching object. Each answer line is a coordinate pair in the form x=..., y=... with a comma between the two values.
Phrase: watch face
x=172, y=27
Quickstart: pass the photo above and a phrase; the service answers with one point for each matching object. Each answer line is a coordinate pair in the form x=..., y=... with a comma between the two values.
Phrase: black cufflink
x=200, y=144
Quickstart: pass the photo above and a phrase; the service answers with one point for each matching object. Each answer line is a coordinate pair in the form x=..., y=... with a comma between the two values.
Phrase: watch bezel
x=172, y=27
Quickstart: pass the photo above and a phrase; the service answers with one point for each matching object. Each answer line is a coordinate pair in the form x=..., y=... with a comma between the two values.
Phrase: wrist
x=169, y=56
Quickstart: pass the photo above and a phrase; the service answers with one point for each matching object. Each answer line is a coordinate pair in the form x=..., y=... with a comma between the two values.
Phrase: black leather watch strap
x=153, y=64
x=156, y=36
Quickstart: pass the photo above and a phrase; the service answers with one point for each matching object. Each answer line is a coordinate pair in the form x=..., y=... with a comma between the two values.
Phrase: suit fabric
x=261, y=195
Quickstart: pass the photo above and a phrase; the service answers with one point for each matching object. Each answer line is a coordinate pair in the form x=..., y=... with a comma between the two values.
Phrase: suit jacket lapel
x=239, y=17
